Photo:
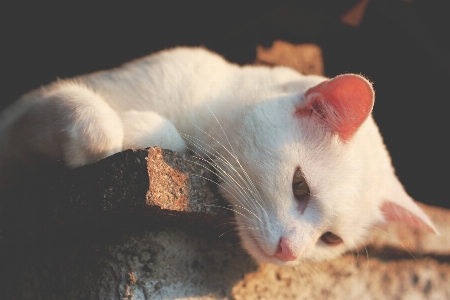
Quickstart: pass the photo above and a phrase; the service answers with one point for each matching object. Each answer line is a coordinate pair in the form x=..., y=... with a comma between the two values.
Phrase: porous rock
x=146, y=224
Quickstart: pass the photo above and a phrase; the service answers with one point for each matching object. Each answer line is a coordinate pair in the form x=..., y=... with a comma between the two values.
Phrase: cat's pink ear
x=341, y=103
x=400, y=207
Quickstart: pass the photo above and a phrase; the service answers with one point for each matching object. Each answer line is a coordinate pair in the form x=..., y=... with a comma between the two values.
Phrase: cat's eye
x=331, y=239
x=300, y=190
x=299, y=186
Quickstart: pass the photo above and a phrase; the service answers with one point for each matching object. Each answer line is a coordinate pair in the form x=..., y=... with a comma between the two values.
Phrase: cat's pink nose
x=284, y=251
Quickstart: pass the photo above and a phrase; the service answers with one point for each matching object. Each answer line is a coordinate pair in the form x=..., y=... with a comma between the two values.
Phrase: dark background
x=402, y=46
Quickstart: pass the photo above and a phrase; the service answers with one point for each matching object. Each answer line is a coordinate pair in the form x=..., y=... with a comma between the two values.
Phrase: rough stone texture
x=131, y=184
x=143, y=181
x=172, y=264
x=56, y=229
x=181, y=183
x=349, y=278
x=146, y=224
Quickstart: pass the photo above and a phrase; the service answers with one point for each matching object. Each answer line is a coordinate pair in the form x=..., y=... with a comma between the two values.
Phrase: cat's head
x=317, y=175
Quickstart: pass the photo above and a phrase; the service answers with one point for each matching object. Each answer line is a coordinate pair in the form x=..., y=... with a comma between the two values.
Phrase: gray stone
x=148, y=224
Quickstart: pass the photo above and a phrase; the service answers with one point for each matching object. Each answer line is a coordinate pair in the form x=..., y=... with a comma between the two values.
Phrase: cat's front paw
x=147, y=128
x=88, y=143
x=91, y=130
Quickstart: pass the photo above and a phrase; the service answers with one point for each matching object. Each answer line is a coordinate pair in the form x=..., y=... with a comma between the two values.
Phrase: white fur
x=243, y=119
x=147, y=128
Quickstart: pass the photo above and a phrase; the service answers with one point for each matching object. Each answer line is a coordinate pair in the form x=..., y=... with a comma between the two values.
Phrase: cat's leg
x=68, y=122
x=147, y=128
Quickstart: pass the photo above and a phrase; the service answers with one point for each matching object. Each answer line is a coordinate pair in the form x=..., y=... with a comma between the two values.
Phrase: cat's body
x=266, y=130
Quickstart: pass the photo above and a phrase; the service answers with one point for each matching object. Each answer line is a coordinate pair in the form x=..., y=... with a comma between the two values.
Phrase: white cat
x=300, y=158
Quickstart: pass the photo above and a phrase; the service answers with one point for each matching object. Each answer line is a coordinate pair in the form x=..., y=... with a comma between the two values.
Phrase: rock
x=148, y=224
x=172, y=264
x=149, y=184
x=349, y=277
x=144, y=181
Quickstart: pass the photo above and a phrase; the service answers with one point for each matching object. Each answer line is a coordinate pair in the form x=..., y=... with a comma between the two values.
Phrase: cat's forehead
x=283, y=138
x=278, y=82
x=289, y=81
x=322, y=158
x=320, y=154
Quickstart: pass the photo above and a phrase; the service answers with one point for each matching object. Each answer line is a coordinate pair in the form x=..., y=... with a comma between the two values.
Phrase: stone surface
x=180, y=183
x=58, y=227
x=143, y=181
x=305, y=58
x=148, y=224
x=172, y=264
x=135, y=184
x=350, y=277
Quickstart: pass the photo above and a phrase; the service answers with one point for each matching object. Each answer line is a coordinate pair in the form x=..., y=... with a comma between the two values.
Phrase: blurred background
x=401, y=46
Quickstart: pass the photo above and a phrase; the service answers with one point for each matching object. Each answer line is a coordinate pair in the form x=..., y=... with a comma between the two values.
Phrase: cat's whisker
x=223, y=175
x=266, y=164
x=231, y=209
x=263, y=182
x=236, y=229
x=263, y=187
x=239, y=206
x=249, y=212
x=223, y=131
x=237, y=160
x=228, y=231
x=251, y=228
x=262, y=177
x=209, y=153
x=227, y=223
x=354, y=248
x=367, y=255
x=221, y=158
x=357, y=252
x=390, y=235
x=344, y=176
x=216, y=183
x=197, y=143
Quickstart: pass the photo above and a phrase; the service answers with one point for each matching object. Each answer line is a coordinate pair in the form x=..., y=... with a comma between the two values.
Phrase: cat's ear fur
x=398, y=206
x=341, y=103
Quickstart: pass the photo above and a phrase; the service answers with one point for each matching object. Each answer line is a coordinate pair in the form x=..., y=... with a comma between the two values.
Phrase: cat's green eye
x=299, y=186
